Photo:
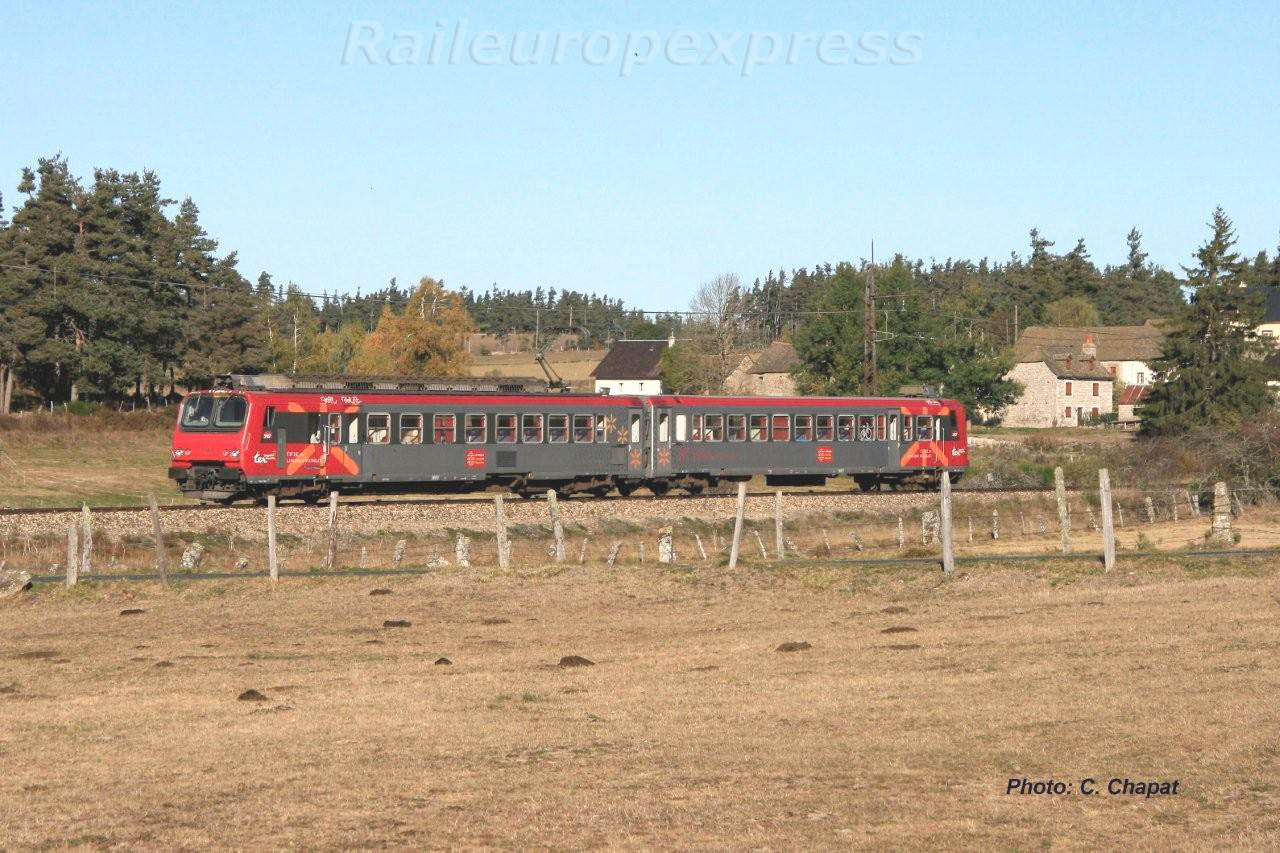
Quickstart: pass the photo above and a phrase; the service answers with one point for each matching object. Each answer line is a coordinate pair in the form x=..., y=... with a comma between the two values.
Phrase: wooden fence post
x=737, y=526
x=86, y=541
x=764, y=555
x=462, y=552
x=73, y=554
x=1119, y=514
x=1174, y=503
x=995, y=524
x=971, y=530
x=331, y=558
x=826, y=541
x=613, y=552
x=500, y=529
x=557, y=529
x=273, y=565
x=582, y=552
x=779, y=546
x=1220, y=532
x=1108, y=524
x=701, y=550
x=902, y=535
x=1194, y=503
x=1064, y=518
x=162, y=564
x=948, y=558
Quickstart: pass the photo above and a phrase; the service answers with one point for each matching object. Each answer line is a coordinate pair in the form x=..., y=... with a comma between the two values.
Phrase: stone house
x=631, y=367
x=1061, y=387
x=1124, y=351
x=765, y=374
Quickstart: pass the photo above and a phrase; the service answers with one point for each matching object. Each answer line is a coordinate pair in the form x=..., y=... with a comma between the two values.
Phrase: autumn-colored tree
x=426, y=339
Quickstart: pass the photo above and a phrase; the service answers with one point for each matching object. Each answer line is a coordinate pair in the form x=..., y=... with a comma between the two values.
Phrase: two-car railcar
x=245, y=441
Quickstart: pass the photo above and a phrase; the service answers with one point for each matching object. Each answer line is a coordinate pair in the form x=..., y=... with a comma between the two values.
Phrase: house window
x=759, y=427
x=1095, y=413
x=825, y=430
x=558, y=429
x=1066, y=411
x=1142, y=379
x=504, y=429
x=442, y=429
x=1095, y=389
x=1068, y=389
x=475, y=429
x=411, y=429
x=1112, y=368
x=532, y=432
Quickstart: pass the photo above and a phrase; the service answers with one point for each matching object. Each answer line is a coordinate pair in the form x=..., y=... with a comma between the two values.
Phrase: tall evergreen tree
x=1211, y=371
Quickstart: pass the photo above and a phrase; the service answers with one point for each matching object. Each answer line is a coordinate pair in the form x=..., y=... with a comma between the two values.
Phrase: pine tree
x=1211, y=371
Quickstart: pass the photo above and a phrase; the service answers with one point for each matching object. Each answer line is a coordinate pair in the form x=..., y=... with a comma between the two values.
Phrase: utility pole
x=869, y=328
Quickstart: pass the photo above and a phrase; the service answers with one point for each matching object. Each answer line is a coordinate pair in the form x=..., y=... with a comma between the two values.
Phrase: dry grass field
x=899, y=727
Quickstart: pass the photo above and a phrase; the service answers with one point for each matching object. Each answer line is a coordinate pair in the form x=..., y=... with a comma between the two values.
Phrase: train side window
x=781, y=428
x=682, y=427
x=315, y=428
x=475, y=429
x=504, y=429
x=635, y=427
x=737, y=429
x=664, y=427
x=558, y=429
x=866, y=428
x=952, y=424
x=924, y=428
x=880, y=427
x=845, y=426
x=804, y=427
x=602, y=429
x=893, y=427
x=697, y=428
x=714, y=430
x=268, y=421
x=411, y=429
x=908, y=425
x=759, y=427
x=532, y=431
x=379, y=428
x=353, y=429
x=443, y=429
x=823, y=430
x=583, y=429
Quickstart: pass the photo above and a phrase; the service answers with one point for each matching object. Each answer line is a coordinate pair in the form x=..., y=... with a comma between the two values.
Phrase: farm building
x=1124, y=351
x=1061, y=387
x=766, y=374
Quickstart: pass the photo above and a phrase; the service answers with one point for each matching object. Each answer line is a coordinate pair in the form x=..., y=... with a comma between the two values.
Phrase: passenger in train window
x=824, y=430
x=696, y=435
x=504, y=429
x=475, y=429
x=557, y=429
x=924, y=428
x=442, y=429
x=845, y=427
x=532, y=432
x=411, y=429
x=737, y=428
x=880, y=427
x=804, y=427
x=714, y=429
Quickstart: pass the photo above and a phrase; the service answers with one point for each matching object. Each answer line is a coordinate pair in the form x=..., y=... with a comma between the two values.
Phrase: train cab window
x=866, y=428
x=315, y=428
x=823, y=430
x=232, y=412
x=411, y=429
x=504, y=429
x=696, y=435
x=880, y=427
x=845, y=427
x=443, y=429
x=924, y=428
x=804, y=427
x=378, y=428
x=759, y=427
x=713, y=429
x=532, y=429
x=682, y=427
x=635, y=427
x=558, y=429
x=781, y=428
x=664, y=427
x=475, y=429
x=893, y=427
x=737, y=428
x=583, y=428
x=197, y=411
x=602, y=429
x=952, y=426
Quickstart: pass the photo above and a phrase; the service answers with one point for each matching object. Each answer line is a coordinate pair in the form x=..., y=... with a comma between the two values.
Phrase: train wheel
x=868, y=484
x=625, y=489
x=658, y=487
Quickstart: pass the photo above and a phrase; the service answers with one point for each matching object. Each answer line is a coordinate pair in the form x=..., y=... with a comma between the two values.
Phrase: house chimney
x=1090, y=349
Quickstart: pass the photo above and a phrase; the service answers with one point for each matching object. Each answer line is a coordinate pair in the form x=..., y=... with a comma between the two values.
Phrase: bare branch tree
x=720, y=304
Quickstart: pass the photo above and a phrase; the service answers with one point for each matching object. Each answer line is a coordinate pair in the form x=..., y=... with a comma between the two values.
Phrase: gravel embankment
x=307, y=522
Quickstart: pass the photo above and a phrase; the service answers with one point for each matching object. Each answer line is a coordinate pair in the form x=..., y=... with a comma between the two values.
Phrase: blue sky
x=1081, y=119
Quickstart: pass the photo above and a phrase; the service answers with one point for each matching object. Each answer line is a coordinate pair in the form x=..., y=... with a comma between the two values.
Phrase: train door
x=343, y=454
x=661, y=433
x=891, y=438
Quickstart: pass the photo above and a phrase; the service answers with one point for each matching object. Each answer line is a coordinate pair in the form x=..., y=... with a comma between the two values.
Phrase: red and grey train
x=295, y=437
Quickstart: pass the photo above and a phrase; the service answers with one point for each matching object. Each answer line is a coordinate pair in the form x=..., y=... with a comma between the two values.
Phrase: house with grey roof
x=1062, y=386
x=1125, y=351
x=631, y=367
x=767, y=373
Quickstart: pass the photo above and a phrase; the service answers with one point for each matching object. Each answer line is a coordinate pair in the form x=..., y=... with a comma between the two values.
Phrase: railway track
x=454, y=500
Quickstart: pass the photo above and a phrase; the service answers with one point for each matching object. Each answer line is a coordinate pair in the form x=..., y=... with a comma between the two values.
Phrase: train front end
x=209, y=443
